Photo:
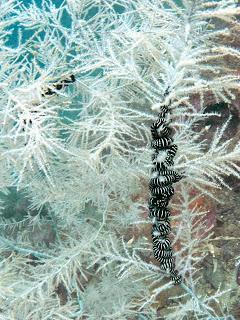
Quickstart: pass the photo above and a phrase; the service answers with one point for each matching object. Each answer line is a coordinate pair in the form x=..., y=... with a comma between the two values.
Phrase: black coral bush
x=79, y=91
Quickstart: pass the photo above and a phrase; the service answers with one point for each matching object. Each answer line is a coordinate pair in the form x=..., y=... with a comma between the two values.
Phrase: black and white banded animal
x=161, y=190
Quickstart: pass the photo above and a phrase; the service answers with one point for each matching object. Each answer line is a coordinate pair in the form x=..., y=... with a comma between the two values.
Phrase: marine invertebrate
x=161, y=191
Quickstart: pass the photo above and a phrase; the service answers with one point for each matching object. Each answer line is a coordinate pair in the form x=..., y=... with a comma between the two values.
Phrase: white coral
x=82, y=155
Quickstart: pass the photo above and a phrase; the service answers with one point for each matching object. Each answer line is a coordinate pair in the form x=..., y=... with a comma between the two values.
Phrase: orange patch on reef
x=207, y=220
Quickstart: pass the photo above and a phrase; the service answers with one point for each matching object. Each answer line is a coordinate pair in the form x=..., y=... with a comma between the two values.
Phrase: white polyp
x=161, y=156
x=155, y=174
x=161, y=178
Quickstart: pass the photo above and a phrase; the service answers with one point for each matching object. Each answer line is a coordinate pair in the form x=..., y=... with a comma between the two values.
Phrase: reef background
x=75, y=237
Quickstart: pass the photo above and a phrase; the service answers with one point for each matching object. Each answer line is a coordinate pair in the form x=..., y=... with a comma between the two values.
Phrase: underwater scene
x=119, y=160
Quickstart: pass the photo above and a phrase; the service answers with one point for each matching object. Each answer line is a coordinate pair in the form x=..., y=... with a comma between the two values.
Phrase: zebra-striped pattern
x=164, y=179
x=159, y=213
x=168, y=265
x=167, y=191
x=161, y=142
x=164, y=131
x=161, y=227
x=161, y=244
x=172, y=150
x=161, y=121
x=159, y=254
x=164, y=110
x=161, y=129
x=160, y=186
x=158, y=203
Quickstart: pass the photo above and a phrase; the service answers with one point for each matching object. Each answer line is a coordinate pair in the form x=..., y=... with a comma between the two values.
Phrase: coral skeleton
x=81, y=83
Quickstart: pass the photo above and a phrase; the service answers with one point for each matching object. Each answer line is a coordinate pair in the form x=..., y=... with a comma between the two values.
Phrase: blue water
x=26, y=34
x=66, y=19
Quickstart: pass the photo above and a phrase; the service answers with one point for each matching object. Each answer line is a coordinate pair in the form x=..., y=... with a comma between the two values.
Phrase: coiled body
x=161, y=190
